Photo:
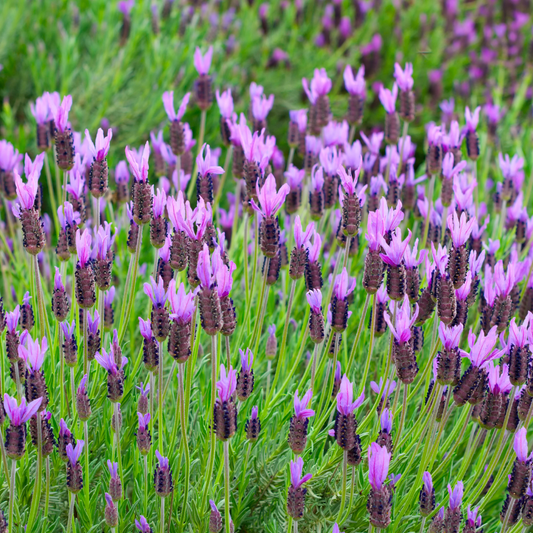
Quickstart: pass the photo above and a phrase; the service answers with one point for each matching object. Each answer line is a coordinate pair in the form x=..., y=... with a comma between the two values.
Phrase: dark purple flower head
x=301, y=406
x=355, y=85
x=345, y=403
x=404, y=78
x=456, y=495
x=394, y=252
x=168, y=103
x=20, y=414
x=163, y=461
x=296, y=473
x=404, y=321
x=378, y=465
x=247, y=359
x=388, y=98
x=202, y=63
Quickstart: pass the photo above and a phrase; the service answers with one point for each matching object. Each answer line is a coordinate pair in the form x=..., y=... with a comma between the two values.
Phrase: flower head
x=143, y=420
x=378, y=465
x=33, y=353
x=156, y=292
x=448, y=170
x=206, y=272
x=204, y=164
x=225, y=104
x=163, y=461
x=394, y=252
x=100, y=148
x=314, y=298
x=20, y=414
x=386, y=421
x=61, y=113
x=460, y=228
x=74, y=454
x=139, y=166
x=349, y=179
x=345, y=403
x=388, y=98
x=320, y=85
x=404, y=78
x=473, y=519
x=227, y=383
x=301, y=237
x=404, y=322
x=107, y=361
x=355, y=85
x=296, y=473
x=481, y=349
x=301, y=406
x=202, y=63
x=388, y=388
x=342, y=287
x=450, y=336
x=93, y=322
x=520, y=445
x=294, y=177
x=375, y=230
x=472, y=119
x=456, y=495
x=270, y=200
x=261, y=106
x=428, y=482
x=181, y=302
x=498, y=383
x=143, y=525
x=68, y=329
x=168, y=103
x=247, y=359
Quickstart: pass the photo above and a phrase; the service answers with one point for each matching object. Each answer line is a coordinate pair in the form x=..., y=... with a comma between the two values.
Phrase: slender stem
x=426, y=223
x=40, y=298
x=72, y=391
x=200, y=145
x=507, y=515
x=243, y=474
x=295, y=526
x=226, y=487
x=228, y=350
x=256, y=251
x=183, y=424
x=12, y=494
x=402, y=146
x=117, y=435
x=47, y=495
x=281, y=359
x=289, y=524
x=64, y=192
x=259, y=323
x=402, y=419
x=291, y=157
x=500, y=229
x=4, y=458
x=71, y=511
x=86, y=451
x=352, y=134
x=236, y=217
x=162, y=518
x=371, y=345
x=145, y=503
x=17, y=381
x=422, y=524
x=178, y=172
x=160, y=399
x=269, y=372
x=226, y=167
x=51, y=190
x=344, y=482
x=347, y=251
x=36, y=497
x=313, y=365
x=86, y=344
x=62, y=377
x=358, y=337
x=245, y=253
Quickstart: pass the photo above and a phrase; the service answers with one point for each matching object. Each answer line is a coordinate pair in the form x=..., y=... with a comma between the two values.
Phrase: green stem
x=160, y=384
x=12, y=494
x=162, y=516
x=145, y=462
x=47, y=497
x=226, y=487
x=344, y=481
x=259, y=323
x=200, y=144
x=358, y=337
x=117, y=435
x=36, y=496
x=281, y=360
x=227, y=161
x=71, y=511
x=402, y=419
x=426, y=223
x=4, y=459
x=86, y=450
x=183, y=424
x=371, y=345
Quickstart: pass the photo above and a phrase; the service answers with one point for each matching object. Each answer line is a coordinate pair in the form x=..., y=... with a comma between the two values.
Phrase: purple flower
x=33, y=353
x=40, y=110
x=67, y=216
x=168, y=103
x=301, y=237
x=481, y=349
x=394, y=252
x=349, y=179
x=498, y=383
x=225, y=104
x=456, y=495
x=519, y=445
x=428, y=482
x=83, y=246
x=299, y=117
x=109, y=296
x=301, y=407
x=163, y=461
x=61, y=113
x=378, y=465
x=181, y=302
x=58, y=283
x=63, y=429
x=345, y=403
x=206, y=273
x=460, y=228
x=261, y=106
x=145, y=327
x=204, y=165
x=26, y=192
x=434, y=135
x=270, y=200
x=342, y=287
x=504, y=283
x=82, y=386
x=139, y=166
x=125, y=6
x=247, y=359
x=391, y=217
x=355, y=85
x=404, y=322
x=388, y=389
x=314, y=298
x=320, y=85
x=113, y=469
x=388, y=98
x=144, y=390
x=107, y=361
x=20, y=414
x=473, y=518
x=93, y=323
x=143, y=525
x=143, y=420
x=156, y=292
x=404, y=78
x=68, y=329
x=74, y=454
x=296, y=473
x=386, y=421
x=100, y=148
x=202, y=63
x=472, y=119
x=510, y=167
x=12, y=319
x=336, y=528
x=160, y=201
x=409, y=256
x=314, y=249
x=375, y=230
x=227, y=384
x=224, y=277
x=294, y=177
x=448, y=170
x=450, y=336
